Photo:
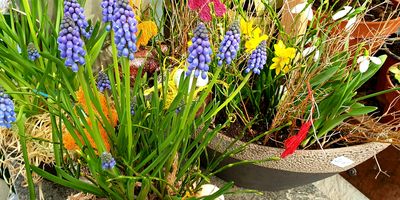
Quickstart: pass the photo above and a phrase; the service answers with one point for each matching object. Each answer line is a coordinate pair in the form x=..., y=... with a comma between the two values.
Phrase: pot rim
x=305, y=161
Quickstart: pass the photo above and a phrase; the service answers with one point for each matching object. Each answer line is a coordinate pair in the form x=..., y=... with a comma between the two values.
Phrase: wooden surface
x=383, y=187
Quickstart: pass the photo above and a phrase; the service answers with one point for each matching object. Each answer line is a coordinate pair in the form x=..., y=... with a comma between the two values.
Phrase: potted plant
x=298, y=95
x=109, y=136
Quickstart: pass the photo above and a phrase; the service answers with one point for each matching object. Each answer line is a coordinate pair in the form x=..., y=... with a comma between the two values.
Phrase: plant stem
x=377, y=94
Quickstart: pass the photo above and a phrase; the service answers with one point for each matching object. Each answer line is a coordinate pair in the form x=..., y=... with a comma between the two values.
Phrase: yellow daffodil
x=255, y=40
x=146, y=30
x=283, y=56
x=246, y=28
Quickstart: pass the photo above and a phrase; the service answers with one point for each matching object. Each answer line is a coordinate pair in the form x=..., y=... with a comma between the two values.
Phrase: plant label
x=342, y=161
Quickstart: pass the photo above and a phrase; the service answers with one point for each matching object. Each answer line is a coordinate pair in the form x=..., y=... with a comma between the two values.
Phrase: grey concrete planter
x=303, y=167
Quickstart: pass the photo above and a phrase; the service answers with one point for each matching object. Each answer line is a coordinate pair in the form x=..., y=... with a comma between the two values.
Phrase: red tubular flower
x=205, y=10
x=293, y=142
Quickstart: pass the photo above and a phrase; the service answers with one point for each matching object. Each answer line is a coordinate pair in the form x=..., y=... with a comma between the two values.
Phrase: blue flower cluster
x=199, y=52
x=108, y=11
x=229, y=45
x=7, y=113
x=258, y=58
x=132, y=109
x=33, y=53
x=103, y=83
x=70, y=44
x=73, y=9
x=107, y=161
x=124, y=25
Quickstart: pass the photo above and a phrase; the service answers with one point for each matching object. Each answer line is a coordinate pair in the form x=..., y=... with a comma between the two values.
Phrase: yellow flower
x=146, y=30
x=246, y=27
x=283, y=56
x=255, y=40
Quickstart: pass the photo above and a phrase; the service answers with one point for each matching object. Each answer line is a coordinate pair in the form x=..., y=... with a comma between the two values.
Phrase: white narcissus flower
x=209, y=189
x=347, y=10
x=364, y=62
x=309, y=50
x=4, y=4
x=303, y=7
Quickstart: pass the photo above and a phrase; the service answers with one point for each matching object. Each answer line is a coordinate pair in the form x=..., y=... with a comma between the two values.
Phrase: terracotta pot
x=301, y=168
x=367, y=30
x=391, y=100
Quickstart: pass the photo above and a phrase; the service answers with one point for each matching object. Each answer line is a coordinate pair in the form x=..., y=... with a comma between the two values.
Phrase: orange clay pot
x=391, y=100
x=365, y=31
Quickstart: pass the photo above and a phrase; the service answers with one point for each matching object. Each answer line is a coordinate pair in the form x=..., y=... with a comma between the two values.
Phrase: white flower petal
x=316, y=56
x=351, y=23
x=201, y=82
x=341, y=13
x=364, y=66
x=361, y=59
x=298, y=8
x=209, y=189
x=177, y=76
x=307, y=51
x=309, y=13
x=376, y=60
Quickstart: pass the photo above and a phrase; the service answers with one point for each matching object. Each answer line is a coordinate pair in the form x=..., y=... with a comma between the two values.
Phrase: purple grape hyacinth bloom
x=199, y=53
x=33, y=53
x=7, y=113
x=229, y=45
x=103, y=83
x=108, y=11
x=124, y=25
x=107, y=161
x=70, y=44
x=74, y=9
x=258, y=58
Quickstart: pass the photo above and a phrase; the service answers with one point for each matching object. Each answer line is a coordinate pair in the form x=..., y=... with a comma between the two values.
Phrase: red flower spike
x=293, y=142
x=204, y=8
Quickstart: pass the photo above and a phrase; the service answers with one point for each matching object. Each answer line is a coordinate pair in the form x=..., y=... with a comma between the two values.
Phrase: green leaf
x=357, y=111
x=78, y=185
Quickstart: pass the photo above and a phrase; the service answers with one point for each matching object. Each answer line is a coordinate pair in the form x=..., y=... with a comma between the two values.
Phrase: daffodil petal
x=376, y=60
x=364, y=66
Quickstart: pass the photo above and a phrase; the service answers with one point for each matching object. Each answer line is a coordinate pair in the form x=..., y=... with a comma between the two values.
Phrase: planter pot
x=390, y=101
x=374, y=32
x=301, y=168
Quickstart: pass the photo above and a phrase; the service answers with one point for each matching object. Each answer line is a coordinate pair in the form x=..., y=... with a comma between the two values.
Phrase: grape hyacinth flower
x=229, y=45
x=199, y=53
x=7, y=113
x=70, y=44
x=4, y=6
x=72, y=8
x=132, y=109
x=124, y=25
x=107, y=161
x=257, y=59
x=108, y=11
x=33, y=53
x=103, y=82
